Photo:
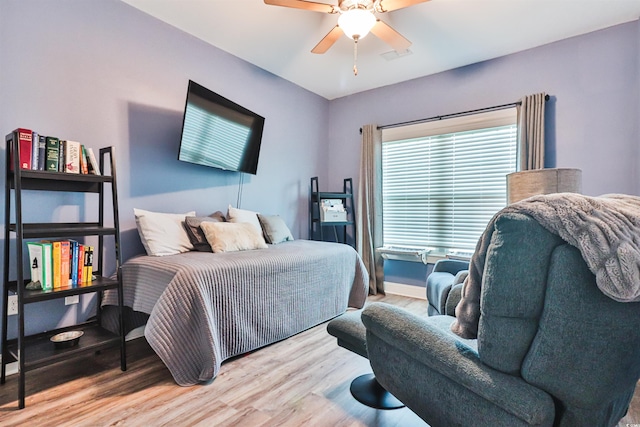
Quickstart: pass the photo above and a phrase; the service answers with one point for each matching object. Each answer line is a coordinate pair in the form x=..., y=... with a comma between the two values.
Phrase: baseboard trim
x=12, y=368
x=405, y=290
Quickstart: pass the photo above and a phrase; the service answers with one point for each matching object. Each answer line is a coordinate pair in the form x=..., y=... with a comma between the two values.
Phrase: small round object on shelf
x=66, y=339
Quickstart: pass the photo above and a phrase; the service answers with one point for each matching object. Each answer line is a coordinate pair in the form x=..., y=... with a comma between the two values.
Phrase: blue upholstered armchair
x=552, y=349
x=444, y=285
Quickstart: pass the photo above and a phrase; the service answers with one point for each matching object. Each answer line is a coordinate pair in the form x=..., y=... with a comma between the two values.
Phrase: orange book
x=57, y=280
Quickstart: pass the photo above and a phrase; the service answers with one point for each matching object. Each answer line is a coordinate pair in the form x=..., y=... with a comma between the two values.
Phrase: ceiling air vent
x=393, y=54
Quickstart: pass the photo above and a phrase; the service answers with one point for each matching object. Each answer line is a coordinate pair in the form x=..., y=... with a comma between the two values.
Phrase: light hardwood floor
x=301, y=381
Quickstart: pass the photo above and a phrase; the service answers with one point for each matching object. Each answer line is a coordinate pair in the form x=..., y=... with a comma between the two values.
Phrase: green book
x=47, y=267
x=52, y=148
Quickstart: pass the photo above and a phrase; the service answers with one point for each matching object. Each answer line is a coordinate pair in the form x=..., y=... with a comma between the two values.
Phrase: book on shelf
x=66, y=263
x=56, y=262
x=53, y=146
x=93, y=164
x=80, y=264
x=83, y=160
x=88, y=264
x=61, y=150
x=40, y=255
x=42, y=152
x=72, y=157
x=49, y=153
x=34, y=150
x=65, y=249
x=73, y=263
x=36, y=262
x=47, y=248
x=24, y=138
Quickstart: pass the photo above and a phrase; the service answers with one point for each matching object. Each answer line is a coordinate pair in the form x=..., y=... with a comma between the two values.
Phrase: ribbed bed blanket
x=605, y=229
x=205, y=308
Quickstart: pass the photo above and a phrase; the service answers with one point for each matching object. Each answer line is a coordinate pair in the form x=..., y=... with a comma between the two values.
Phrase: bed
x=204, y=308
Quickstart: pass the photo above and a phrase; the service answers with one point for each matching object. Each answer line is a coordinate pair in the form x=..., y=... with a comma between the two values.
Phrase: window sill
x=425, y=256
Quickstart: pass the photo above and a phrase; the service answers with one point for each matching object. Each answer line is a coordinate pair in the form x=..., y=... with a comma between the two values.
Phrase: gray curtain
x=531, y=132
x=369, y=206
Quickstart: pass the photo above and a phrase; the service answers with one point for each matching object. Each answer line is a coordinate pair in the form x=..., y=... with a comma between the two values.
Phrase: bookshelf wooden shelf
x=59, y=181
x=43, y=230
x=37, y=350
x=99, y=284
x=40, y=351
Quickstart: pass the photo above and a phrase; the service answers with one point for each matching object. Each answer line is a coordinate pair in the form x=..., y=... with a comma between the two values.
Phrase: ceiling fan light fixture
x=356, y=23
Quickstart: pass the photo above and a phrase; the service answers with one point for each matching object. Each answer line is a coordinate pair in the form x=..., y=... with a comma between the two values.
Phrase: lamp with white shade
x=524, y=184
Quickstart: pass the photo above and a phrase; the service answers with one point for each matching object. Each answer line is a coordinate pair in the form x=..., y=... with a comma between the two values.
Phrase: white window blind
x=441, y=189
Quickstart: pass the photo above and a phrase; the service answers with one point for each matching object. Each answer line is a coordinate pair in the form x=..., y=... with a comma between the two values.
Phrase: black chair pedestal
x=352, y=335
x=367, y=390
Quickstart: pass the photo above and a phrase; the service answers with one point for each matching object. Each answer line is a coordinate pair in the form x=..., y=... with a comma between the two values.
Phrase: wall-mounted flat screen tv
x=219, y=133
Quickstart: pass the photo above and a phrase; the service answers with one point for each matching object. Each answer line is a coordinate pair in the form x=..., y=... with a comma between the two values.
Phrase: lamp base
x=367, y=390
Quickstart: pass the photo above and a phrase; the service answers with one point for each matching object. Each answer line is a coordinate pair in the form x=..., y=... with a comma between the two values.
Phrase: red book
x=80, y=264
x=24, y=138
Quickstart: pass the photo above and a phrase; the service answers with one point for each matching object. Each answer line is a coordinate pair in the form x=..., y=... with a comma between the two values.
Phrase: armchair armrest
x=451, y=266
x=445, y=274
x=411, y=355
x=455, y=294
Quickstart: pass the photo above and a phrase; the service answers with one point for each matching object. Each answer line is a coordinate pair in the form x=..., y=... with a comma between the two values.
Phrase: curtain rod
x=449, y=116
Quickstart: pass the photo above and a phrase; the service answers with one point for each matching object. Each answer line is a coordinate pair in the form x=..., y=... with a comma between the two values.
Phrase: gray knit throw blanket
x=605, y=229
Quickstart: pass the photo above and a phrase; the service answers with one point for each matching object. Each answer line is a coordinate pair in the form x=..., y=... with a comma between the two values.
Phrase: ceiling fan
x=357, y=19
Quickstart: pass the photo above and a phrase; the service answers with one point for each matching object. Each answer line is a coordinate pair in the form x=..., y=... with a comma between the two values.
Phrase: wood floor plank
x=303, y=380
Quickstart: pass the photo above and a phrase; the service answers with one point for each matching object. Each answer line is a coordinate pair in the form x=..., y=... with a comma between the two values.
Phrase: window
x=442, y=181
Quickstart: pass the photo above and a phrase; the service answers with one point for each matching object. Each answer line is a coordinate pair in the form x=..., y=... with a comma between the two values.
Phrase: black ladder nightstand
x=344, y=223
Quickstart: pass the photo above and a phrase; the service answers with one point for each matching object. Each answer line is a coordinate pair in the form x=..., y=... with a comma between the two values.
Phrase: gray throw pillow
x=274, y=229
x=195, y=233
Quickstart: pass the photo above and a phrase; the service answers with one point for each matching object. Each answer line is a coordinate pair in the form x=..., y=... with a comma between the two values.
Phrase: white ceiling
x=446, y=34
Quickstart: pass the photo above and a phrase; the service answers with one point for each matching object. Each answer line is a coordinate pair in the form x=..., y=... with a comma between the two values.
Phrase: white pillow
x=242, y=215
x=231, y=237
x=163, y=233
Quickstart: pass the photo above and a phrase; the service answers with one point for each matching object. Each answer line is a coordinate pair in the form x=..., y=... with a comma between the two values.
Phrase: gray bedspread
x=205, y=308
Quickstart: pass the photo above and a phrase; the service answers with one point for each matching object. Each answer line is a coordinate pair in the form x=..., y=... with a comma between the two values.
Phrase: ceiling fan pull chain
x=355, y=56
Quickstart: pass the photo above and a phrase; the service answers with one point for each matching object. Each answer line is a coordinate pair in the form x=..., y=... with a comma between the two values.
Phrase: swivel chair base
x=368, y=391
x=352, y=335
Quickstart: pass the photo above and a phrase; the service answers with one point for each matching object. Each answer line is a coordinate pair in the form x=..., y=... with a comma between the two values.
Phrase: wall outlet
x=74, y=299
x=13, y=305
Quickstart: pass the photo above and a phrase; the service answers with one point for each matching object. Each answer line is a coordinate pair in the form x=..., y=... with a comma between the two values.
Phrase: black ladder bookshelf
x=36, y=350
x=341, y=229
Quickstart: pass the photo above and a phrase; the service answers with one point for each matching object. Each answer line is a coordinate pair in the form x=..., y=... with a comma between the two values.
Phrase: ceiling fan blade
x=389, y=5
x=301, y=4
x=328, y=40
x=390, y=36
